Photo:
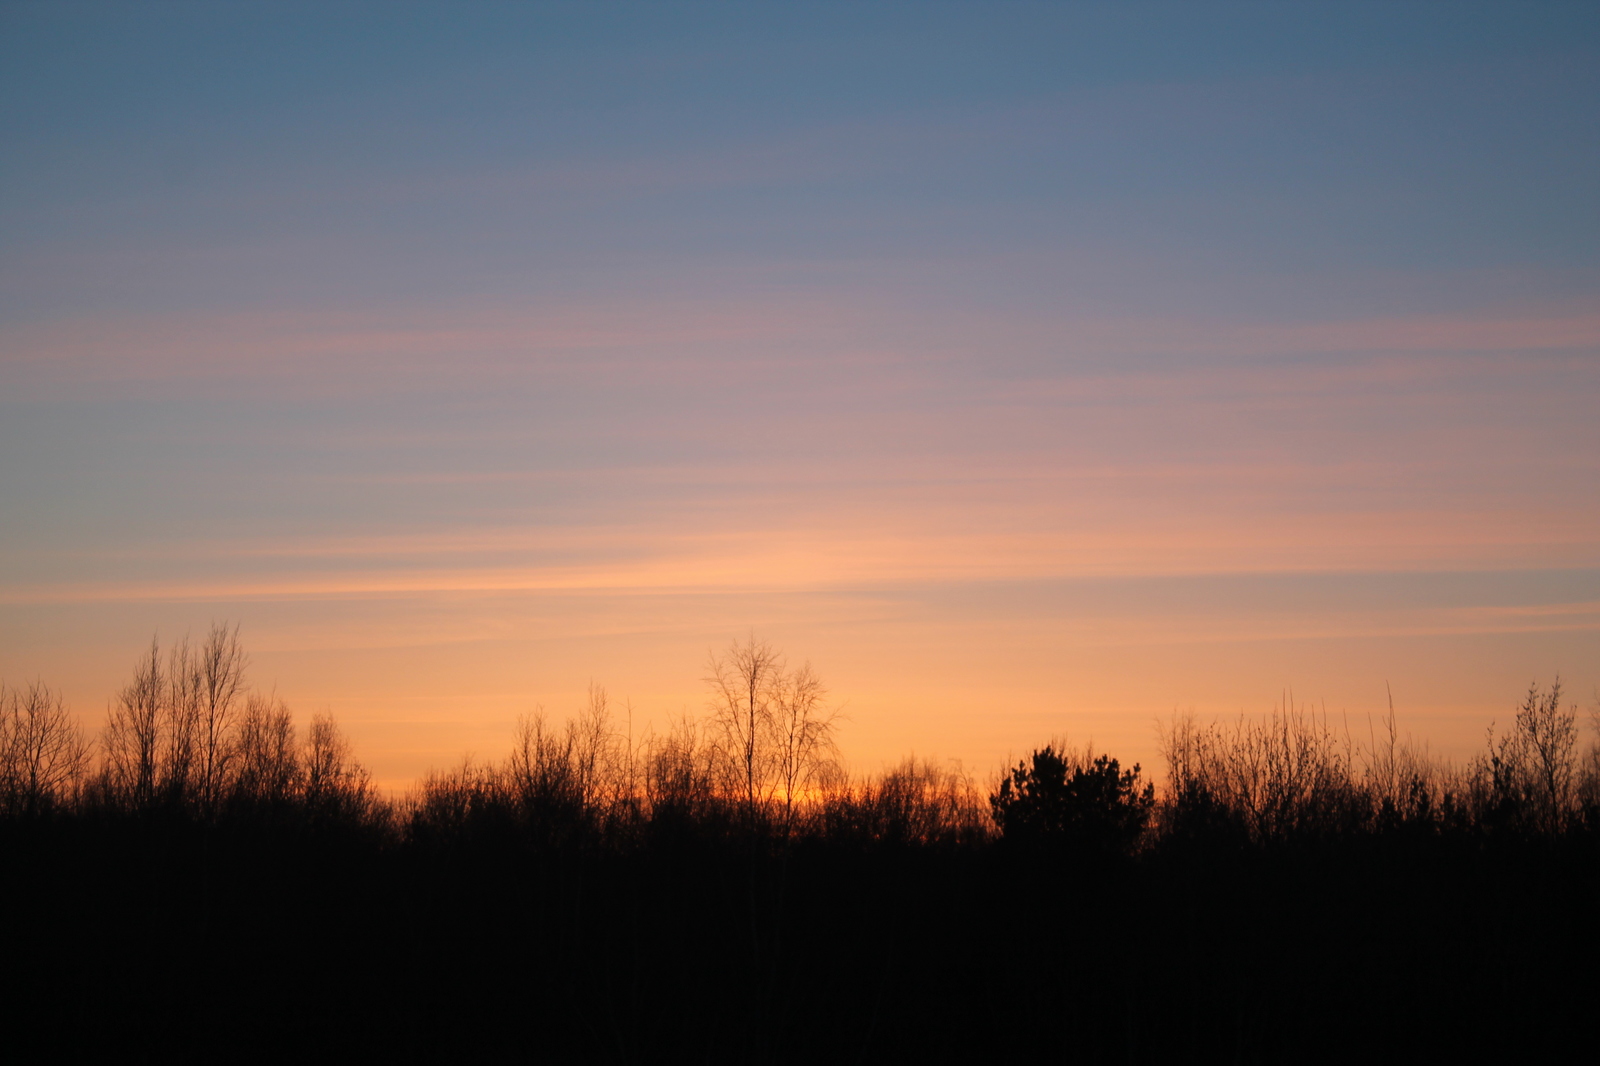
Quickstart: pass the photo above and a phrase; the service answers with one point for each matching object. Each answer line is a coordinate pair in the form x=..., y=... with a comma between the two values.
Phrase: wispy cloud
x=397, y=350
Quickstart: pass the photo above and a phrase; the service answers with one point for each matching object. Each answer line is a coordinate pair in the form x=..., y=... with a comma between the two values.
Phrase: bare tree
x=132, y=735
x=1401, y=779
x=917, y=801
x=266, y=764
x=574, y=775
x=1552, y=736
x=1529, y=772
x=181, y=726
x=42, y=752
x=741, y=683
x=802, y=733
x=680, y=772
x=540, y=767
x=772, y=729
x=1278, y=776
x=1588, y=785
x=594, y=750
x=168, y=736
x=218, y=686
x=337, y=788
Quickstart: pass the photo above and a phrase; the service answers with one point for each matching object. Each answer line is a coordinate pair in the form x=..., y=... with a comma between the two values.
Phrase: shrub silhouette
x=1532, y=774
x=918, y=802
x=1056, y=801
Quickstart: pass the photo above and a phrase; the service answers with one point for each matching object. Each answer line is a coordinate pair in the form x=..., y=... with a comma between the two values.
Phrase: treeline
x=188, y=738
x=207, y=880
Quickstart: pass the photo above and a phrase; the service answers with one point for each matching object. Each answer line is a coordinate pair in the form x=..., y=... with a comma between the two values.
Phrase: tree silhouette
x=1052, y=800
x=133, y=734
x=42, y=753
x=774, y=735
x=1532, y=771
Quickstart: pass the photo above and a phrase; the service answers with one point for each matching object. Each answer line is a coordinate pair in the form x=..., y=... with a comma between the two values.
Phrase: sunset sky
x=1031, y=369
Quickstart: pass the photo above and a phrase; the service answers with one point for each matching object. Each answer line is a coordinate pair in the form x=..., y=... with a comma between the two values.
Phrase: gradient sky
x=1029, y=368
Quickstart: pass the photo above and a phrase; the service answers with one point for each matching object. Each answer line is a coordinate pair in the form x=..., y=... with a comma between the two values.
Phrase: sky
x=1030, y=369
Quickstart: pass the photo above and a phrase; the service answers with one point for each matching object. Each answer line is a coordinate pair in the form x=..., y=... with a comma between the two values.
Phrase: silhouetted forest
x=208, y=880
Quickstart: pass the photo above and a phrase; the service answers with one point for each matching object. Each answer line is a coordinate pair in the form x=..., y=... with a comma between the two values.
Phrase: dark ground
x=143, y=942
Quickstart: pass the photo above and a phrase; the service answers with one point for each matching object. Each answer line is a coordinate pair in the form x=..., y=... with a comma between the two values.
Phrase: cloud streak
x=663, y=337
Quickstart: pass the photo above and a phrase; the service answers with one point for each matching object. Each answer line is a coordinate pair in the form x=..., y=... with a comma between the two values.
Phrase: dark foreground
x=161, y=942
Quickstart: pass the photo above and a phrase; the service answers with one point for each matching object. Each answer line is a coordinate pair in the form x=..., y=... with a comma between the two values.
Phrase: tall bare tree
x=132, y=738
x=802, y=732
x=594, y=750
x=772, y=729
x=742, y=682
x=180, y=733
x=218, y=687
